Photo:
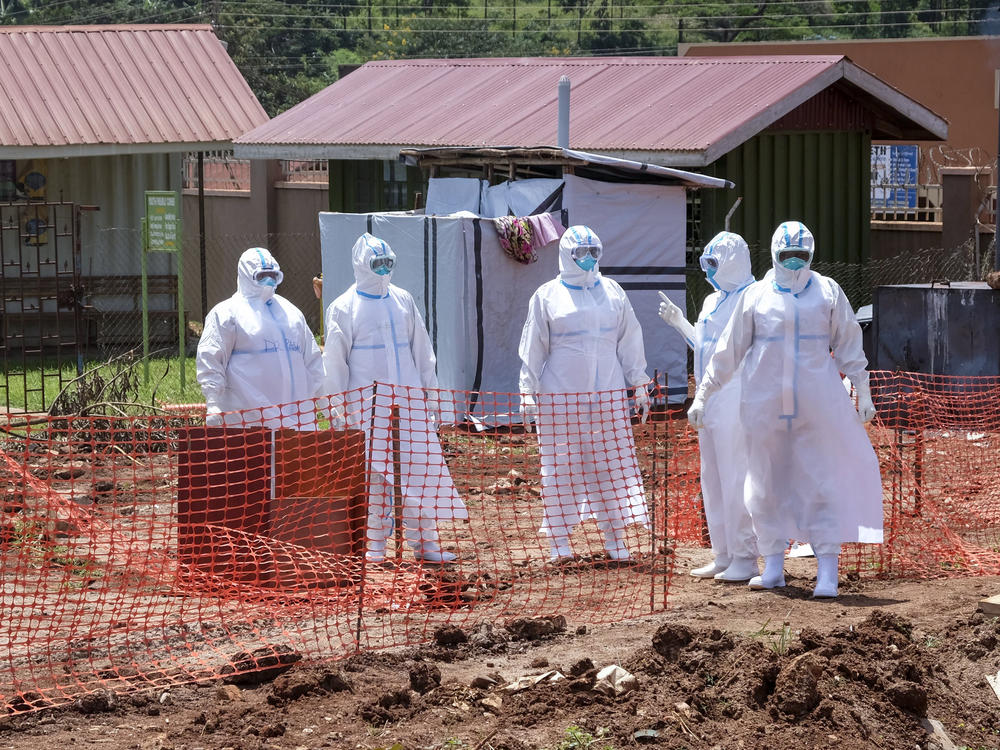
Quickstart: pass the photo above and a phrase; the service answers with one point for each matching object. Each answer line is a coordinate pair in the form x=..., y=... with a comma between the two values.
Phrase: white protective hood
x=733, y=255
x=367, y=247
x=251, y=261
x=791, y=234
x=569, y=272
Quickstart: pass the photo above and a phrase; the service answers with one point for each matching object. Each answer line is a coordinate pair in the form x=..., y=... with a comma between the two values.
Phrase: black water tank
x=940, y=328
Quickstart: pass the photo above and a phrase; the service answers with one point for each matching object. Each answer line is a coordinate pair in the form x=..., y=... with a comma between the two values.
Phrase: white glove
x=696, y=414
x=432, y=403
x=529, y=411
x=213, y=416
x=866, y=409
x=338, y=417
x=642, y=403
x=670, y=312
x=674, y=316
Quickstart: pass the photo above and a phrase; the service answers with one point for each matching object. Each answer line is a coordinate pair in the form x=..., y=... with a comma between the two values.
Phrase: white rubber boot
x=376, y=550
x=827, y=568
x=424, y=540
x=559, y=547
x=379, y=531
x=614, y=543
x=711, y=570
x=380, y=520
x=774, y=573
x=742, y=569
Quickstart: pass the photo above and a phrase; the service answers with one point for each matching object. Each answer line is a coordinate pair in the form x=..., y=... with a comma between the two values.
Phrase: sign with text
x=163, y=221
x=894, y=177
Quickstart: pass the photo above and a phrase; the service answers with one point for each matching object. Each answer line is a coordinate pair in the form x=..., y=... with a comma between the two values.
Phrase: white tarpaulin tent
x=474, y=297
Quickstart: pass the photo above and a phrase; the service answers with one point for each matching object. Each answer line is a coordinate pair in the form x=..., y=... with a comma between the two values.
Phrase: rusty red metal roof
x=678, y=111
x=90, y=90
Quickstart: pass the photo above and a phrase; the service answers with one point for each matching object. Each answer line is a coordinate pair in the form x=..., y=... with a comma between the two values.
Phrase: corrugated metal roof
x=686, y=109
x=88, y=90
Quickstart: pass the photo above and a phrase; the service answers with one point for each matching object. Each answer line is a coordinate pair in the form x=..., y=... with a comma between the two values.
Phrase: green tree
x=614, y=25
x=281, y=47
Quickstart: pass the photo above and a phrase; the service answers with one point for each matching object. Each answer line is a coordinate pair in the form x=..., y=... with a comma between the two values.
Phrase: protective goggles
x=267, y=273
x=708, y=263
x=794, y=252
x=382, y=264
x=582, y=251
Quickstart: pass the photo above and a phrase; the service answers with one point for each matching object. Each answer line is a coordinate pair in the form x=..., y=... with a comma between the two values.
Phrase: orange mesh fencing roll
x=161, y=550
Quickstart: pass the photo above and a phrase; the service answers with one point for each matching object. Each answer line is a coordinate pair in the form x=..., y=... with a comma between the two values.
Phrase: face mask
x=587, y=264
x=793, y=264
x=266, y=277
x=382, y=265
x=709, y=265
x=794, y=258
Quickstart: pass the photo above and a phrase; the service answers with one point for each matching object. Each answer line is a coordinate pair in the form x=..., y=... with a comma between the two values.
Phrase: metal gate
x=41, y=318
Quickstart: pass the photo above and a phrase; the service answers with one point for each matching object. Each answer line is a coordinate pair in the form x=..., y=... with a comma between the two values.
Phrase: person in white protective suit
x=256, y=353
x=376, y=339
x=812, y=473
x=581, y=345
x=726, y=263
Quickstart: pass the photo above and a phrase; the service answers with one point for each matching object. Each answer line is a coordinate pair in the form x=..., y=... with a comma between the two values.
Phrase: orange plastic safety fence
x=139, y=552
x=164, y=550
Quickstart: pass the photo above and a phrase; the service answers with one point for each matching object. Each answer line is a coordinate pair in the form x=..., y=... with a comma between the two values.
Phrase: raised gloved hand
x=642, y=403
x=674, y=316
x=670, y=312
x=529, y=411
x=696, y=414
x=866, y=409
x=213, y=415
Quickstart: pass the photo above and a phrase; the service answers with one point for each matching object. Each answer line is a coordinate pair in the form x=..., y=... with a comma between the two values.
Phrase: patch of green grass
x=36, y=387
x=28, y=536
x=577, y=738
x=777, y=640
x=28, y=540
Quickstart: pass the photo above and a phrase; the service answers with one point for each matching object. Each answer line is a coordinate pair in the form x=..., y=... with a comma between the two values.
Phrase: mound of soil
x=850, y=677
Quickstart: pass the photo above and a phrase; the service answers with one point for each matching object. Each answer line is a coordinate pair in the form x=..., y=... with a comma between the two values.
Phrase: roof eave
x=748, y=129
x=314, y=151
x=934, y=127
x=390, y=152
x=79, y=150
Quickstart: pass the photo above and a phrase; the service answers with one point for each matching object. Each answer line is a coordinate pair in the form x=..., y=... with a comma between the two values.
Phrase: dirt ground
x=876, y=668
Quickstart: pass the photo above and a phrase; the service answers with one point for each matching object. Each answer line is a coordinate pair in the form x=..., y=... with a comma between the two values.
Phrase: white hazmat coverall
x=581, y=345
x=812, y=473
x=722, y=443
x=257, y=353
x=375, y=339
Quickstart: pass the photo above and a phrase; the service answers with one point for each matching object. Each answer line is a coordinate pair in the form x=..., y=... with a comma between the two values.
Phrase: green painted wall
x=359, y=186
x=819, y=178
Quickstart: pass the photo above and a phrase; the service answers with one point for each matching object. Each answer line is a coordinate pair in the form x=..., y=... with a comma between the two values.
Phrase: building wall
x=820, y=179
x=954, y=76
x=806, y=176
x=282, y=218
x=891, y=238
x=110, y=238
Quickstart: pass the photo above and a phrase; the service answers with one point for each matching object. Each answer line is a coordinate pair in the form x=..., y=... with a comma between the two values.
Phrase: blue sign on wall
x=894, y=177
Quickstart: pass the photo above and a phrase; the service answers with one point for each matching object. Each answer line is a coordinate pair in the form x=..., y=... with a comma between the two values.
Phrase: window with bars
x=395, y=192
x=221, y=169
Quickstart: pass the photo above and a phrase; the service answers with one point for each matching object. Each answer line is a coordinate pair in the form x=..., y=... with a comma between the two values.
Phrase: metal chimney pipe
x=563, y=136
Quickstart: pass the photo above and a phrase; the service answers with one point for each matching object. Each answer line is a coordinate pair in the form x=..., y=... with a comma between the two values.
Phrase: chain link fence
x=111, y=299
x=859, y=280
